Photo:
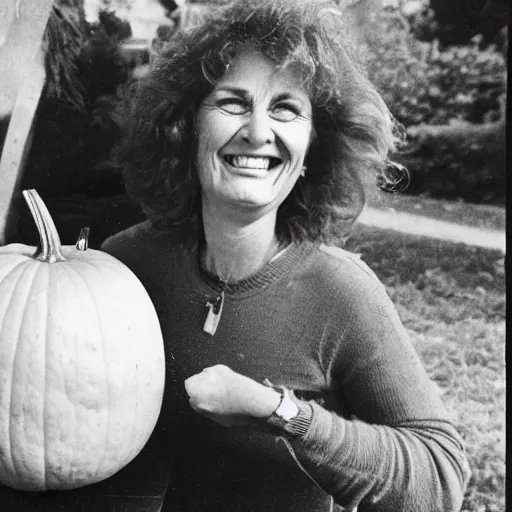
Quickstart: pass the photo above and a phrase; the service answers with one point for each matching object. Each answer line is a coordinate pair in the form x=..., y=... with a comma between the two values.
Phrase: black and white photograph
x=252, y=255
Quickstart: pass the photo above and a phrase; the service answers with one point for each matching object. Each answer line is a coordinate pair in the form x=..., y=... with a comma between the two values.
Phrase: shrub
x=113, y=26
x=451, y=102
x=423, y=83
x=71, y=146
x=457, y=161
x=457, y=21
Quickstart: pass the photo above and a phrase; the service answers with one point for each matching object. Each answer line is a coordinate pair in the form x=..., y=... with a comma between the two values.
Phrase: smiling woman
x=292, y=384
x=354, y=131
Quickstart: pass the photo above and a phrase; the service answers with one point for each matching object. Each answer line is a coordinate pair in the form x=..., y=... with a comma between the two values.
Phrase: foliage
x=452, y=103
x=70, y=145
x=63, y=41
x=452, y=301
x=423, y=83
x=114, y=26
x=457, y=161
x=103, y=69
x=457, y=21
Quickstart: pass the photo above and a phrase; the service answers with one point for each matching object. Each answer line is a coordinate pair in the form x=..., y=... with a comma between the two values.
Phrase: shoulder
x=346, y=285
x=338, y=267
x=143, y=242
x=130, y=235
x=131, y=241
x=347, y=259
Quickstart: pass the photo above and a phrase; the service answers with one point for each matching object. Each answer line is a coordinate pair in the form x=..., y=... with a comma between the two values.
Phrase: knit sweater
x=318, y=321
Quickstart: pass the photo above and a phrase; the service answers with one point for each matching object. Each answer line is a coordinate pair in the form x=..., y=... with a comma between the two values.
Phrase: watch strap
x=297, y=426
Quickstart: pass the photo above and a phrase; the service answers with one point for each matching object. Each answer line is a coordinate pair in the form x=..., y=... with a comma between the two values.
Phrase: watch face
x=288, y=409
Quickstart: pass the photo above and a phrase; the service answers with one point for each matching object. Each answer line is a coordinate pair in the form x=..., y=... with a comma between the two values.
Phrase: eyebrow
x=287, y=96
x=234, y=90
x=244, y=94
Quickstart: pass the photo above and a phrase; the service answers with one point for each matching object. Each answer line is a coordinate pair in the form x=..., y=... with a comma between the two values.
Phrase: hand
x=230, y=398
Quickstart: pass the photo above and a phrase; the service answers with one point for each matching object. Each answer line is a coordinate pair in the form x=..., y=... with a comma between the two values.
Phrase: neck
x=237, y=248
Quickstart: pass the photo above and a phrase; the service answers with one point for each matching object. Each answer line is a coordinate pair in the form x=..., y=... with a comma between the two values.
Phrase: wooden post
x=22, y=78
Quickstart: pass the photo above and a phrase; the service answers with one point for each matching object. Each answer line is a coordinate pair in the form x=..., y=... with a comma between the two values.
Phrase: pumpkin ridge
x=67, y=392
x=2, y=317
x=121, y=271
x=8, y=424
x=16, y=356
x=70, y=269
x=13, y=269
x=45, y=381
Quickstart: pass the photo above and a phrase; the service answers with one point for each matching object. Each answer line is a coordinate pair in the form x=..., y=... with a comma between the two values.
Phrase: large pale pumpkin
x=81, y=362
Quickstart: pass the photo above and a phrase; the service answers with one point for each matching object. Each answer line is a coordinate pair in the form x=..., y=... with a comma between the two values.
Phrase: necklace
x=214, y=312
x=215, y=306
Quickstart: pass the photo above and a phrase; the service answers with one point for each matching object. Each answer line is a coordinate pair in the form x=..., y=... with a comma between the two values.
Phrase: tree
x=457, y=21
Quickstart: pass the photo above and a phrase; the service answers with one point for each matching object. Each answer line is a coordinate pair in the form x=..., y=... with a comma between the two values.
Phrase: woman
x=292, y=384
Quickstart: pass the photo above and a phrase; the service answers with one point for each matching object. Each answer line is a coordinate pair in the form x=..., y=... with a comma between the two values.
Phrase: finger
x=191, y=384
x=194, y=406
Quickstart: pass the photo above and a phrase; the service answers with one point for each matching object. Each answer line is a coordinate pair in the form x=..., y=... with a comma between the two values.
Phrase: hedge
x=423, y=83
x=451, y=102
x=457, y=161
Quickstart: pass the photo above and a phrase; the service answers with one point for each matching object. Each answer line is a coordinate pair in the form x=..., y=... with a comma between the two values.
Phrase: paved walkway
x=433, y=228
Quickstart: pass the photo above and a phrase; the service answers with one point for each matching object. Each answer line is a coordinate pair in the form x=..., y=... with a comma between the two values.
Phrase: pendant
x=214, y=313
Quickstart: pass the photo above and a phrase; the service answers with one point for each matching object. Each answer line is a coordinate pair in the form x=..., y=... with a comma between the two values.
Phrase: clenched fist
x=230, y=398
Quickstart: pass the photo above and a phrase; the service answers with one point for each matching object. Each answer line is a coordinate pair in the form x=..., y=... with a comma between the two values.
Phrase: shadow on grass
x=401, y=258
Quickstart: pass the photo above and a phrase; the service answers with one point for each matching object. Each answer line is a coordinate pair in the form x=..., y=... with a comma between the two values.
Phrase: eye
x=285, y=112
x=234, y=106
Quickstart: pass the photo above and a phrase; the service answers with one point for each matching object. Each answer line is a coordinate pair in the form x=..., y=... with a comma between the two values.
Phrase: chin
x=251, y=202
x=250, y=196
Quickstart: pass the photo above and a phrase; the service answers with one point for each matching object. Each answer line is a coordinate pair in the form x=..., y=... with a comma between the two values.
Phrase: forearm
x=415, y=466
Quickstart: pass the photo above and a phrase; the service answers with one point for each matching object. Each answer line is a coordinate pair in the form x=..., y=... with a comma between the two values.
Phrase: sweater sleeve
x=399, y=450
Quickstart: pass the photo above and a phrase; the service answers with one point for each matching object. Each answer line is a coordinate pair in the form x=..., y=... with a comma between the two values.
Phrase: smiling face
x=254, y=131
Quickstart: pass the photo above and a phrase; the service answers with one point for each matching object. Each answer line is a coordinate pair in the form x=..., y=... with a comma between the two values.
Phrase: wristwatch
x=292, y=417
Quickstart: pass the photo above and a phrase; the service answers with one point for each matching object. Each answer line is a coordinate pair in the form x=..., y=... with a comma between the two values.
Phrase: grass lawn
x=451, y=297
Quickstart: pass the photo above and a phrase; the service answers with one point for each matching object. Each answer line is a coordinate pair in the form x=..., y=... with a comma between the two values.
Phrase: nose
x=258, y=129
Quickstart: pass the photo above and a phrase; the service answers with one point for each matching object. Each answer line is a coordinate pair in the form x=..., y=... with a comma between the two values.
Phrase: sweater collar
x=276, y=268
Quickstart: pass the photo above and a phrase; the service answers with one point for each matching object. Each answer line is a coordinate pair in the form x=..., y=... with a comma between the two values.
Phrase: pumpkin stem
x=83, y=239
x=49, y=248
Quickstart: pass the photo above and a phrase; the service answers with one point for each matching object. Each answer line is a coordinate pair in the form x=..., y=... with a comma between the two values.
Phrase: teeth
x=249, y=162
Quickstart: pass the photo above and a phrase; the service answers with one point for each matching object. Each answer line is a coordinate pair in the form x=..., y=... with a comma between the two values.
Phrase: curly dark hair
x=354, y=129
